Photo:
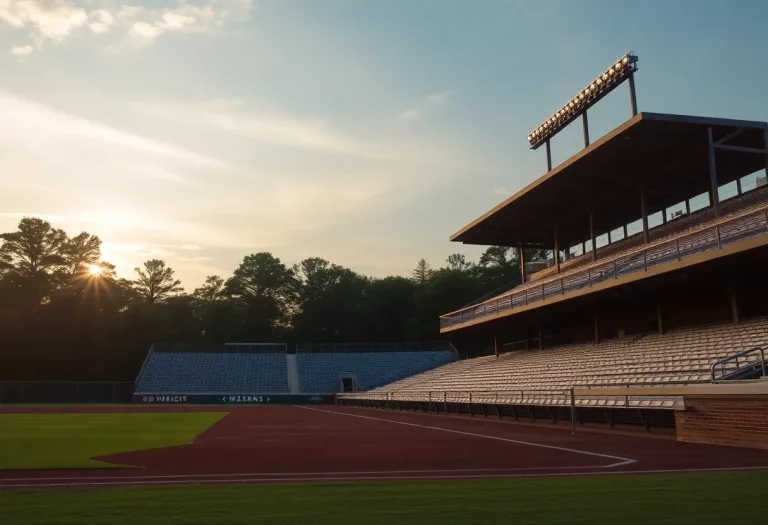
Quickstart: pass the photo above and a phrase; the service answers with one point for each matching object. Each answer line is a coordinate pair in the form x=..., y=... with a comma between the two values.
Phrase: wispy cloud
x=54, y=21
x=21, y=51
x=233, y=116
x=430, y=103
x=23, y=117
x=501, y=191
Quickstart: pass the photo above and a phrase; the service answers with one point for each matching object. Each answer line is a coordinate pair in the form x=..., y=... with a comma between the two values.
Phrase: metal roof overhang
x=667, y=154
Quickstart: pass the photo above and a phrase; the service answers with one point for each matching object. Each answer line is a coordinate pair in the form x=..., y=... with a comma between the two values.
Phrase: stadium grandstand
x=209, y=373
x=657, y=235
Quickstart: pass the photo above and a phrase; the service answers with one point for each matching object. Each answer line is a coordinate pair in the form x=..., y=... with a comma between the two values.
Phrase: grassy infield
x=27, y=441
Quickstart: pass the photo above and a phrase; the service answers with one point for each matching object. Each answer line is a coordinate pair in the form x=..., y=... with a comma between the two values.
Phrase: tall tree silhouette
x=156, y=282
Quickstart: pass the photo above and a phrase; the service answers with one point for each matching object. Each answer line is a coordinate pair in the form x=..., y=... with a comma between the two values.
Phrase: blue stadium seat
x=214, y=372
x=321, y=372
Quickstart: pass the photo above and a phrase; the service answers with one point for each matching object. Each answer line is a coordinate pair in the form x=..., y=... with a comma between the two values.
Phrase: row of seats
x=681, y=356
x=674, y=227
x=254, y=372
x=628, y=260
x=322, y=372
x=213, y=373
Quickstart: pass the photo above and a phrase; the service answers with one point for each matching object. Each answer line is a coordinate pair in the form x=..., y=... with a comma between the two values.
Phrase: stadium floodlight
x=603, y=84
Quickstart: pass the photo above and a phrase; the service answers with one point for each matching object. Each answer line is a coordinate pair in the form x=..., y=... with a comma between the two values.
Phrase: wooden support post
x=496, y=346
x=659, y=318
x=713, y=189
x=541, y=338
x=644, y=212
x=734, y=305
x=597, y=330
x=592, y=234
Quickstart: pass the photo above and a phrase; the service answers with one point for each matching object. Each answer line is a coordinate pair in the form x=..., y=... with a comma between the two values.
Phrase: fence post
x=573, y=411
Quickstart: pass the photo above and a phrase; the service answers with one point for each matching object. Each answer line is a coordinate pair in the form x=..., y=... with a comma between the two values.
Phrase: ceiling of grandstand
x=666, y=154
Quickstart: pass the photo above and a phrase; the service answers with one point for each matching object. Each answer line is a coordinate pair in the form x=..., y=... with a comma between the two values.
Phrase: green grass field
x=29, y=441
x=640, y=499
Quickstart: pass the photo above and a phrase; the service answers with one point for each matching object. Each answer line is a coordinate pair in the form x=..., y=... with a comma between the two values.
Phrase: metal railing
x=712, y=237
x=13, y=392
x=417, y=346
x=723, y=362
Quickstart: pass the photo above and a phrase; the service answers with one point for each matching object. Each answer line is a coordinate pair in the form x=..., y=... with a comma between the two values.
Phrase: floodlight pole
x=585, y=127
x=632, y=94
x=549, y=157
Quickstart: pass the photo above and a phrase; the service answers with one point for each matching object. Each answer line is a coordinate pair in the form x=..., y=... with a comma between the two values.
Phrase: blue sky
x=364, y=132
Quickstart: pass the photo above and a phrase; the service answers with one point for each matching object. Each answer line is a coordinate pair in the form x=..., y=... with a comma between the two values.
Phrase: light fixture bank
x=620, y=71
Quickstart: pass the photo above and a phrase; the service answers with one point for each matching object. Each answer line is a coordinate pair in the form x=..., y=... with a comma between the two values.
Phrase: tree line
x=66, y=315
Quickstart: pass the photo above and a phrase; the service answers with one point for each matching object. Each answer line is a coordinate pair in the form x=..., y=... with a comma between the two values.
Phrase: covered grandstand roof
x=667, y=154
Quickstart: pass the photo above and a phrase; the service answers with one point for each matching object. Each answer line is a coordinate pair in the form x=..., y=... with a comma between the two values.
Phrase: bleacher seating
x=321, y=372
x=678, y=357
x=741, y=220
x=214, y=372
x=679, y=226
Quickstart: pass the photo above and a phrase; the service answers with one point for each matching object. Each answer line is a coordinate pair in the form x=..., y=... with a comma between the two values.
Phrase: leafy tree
x=330, y=301
x=458, y=262
x=266, y=291
x=34, y=248
x=422, y=272
x=211, y=290
x=80, y=251
x=156, y=282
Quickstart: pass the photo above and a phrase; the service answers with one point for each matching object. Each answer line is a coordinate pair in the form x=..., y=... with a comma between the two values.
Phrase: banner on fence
x=233, y=399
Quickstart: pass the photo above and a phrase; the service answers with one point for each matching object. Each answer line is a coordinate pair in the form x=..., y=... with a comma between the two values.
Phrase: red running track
x=297, y=444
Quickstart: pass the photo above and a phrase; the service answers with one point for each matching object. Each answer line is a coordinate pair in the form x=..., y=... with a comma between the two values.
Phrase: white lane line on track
x=373, y=478
x=622, y=461
x=290, y=474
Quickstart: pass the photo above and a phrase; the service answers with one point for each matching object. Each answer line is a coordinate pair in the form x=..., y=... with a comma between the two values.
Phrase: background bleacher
x=214, y=372
x=321, y=372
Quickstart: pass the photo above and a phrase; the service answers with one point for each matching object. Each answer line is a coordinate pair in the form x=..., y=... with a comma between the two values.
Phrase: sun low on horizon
x=94, y=270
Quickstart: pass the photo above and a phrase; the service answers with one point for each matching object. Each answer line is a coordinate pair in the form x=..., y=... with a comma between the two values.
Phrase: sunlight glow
x=94, y=270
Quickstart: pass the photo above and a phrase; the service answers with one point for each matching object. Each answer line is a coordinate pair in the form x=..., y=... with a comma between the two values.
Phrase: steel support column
x=541, y=339
x=713, y=189
x=592, y=235
x=556, y=253
x=496, y=346
x=521, y=258
x=585, y=127
x=734, y=305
